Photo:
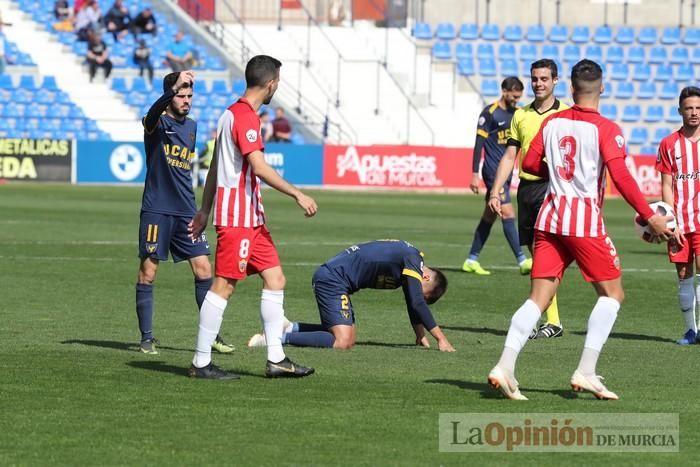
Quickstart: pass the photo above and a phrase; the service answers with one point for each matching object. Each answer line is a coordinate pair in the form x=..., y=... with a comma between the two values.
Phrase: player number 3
x=567, y=146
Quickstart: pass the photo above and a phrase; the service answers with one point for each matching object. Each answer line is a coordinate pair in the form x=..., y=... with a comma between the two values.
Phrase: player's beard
x=268, y=98
x=180, y=113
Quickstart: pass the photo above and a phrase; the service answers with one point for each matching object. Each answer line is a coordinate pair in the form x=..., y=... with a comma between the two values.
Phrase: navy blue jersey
x=385, y=264
x=170, y=150
x=492, y=131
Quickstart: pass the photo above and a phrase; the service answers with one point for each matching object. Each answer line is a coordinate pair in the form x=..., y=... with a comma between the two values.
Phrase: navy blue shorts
x=160, y=233
x=332, y=298
x=504, y=194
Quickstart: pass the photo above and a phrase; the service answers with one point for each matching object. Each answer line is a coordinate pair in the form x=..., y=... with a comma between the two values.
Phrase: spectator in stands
x=336, y=13
x=117, y=20
x=2, y=49
x=265, y=126
x=98, y=55
x=281, y=129
x=180, y=57
x=87, y=19
x=144, y=23
x=142, y=58
x=62, y=11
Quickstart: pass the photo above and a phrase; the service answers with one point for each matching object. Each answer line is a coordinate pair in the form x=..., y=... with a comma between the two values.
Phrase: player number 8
x=243, y=251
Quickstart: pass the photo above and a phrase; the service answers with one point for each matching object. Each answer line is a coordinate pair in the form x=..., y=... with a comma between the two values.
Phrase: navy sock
x=144, y=310
x=308, y=327
x=480, y=236
x=310, y=339
x=511, y=234
x=201, y=287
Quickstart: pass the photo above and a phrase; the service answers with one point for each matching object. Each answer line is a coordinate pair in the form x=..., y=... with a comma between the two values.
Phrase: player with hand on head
x=491, y=138
x=678, y=162
x=573, y=149
x=380, y=264
x=168, y=202
x=244, y=244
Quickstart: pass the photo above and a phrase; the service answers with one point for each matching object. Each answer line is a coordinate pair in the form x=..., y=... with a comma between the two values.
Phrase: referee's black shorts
x=531, y=193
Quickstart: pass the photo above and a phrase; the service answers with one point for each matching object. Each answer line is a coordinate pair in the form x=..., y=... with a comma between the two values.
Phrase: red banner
x=291, y=4
x=413, y=167
x=643, y=169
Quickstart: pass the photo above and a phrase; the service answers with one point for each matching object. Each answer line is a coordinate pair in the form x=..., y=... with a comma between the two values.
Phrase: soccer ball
x=642, y=227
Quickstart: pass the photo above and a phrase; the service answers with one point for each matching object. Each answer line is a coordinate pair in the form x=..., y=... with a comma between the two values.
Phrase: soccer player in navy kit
x=380, y=264
x=491, y=137
x=168, y=203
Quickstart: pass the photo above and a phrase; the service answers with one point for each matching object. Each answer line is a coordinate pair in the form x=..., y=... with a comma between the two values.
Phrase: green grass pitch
x=74, y=390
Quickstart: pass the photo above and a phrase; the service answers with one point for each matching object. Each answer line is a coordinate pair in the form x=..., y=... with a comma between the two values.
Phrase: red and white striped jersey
x=238, y=202
x=578, y=143
x=680, y=158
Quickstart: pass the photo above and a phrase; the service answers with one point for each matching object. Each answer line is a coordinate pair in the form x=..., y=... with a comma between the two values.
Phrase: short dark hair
x=686, y=92
x=585, y=72
x=170, y=80
x=439, y=288
x=512, y=83
x=546, y=63
x=261, y=69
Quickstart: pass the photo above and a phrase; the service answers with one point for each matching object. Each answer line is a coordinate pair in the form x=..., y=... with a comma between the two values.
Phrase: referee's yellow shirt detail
x=524, y=126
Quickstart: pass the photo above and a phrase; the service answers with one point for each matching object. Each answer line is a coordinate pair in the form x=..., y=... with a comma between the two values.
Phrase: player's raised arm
x=150, y=121
x=270, y=176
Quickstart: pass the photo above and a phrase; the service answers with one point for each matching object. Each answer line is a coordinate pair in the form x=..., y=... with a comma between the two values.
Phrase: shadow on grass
x=127, y=346
x=487, y=392
x=155, y=365
x=632, y=337
x=495, y=332
x=386, y=344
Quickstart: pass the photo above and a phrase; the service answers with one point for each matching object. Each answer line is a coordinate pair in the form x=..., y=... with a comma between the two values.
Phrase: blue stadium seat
x=138, y=84
x=647, y=151
x=27, y=82
x=625, y=35
x=624, y=90
x=609, y=111
x=464, y=50
x=607, y=90
x=445, y=31
x=487, y=67
x=49, y=83
x=44, y=96
x=646, y=90
x=655, y=113
x=561, y=90
x=550, y=51
x=679, y=55
x=695, y=56
x=638, y=135
x=6, y=82
x=484, y=51
x=658, y=55
x=23, y=96
x=663, y=73
x=669, y=90
x=631, y=113
x=513, y=32
x=558, y=33
x=119, y=85
x=580, y=34
x=615, y=54
x=692, y=36
x=620, y=72
x=442, y=50
x=465, y=66
x=647, y=35
x=594, y=52
x=535, y=33
x=641, y=72
x=422, y=31
x=671, y=36
x=219, y=86
x=572, y=53
x=636, y=55
x=602, y=35
x=528, y=52
x=490, y=88
x=660, y=134
x=506, y=51
x=673, y=116
x=32, y=111
x=490, y=32
x=469, y=31
x=685, y=73
x=509, y=68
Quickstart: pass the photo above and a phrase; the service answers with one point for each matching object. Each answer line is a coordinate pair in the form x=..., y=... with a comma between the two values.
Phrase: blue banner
x=300, y=164
x=110, y=162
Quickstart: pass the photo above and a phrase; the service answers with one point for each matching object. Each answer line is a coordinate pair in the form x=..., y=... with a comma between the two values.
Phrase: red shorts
x=243, y=251
x=686, y=252
x=596, y=256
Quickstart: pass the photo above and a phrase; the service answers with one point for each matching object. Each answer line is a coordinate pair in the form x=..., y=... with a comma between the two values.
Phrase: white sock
x=521, y=325
x=272, y=316
x=210, y=317
x=600, y=323
x=686, y=300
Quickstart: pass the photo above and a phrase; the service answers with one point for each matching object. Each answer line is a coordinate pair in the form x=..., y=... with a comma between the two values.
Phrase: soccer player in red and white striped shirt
x=244, y=245
x=678, y=161
x=572, y=149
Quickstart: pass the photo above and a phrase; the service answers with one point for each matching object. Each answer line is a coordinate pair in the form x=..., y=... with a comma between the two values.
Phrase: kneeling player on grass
x=380, y=264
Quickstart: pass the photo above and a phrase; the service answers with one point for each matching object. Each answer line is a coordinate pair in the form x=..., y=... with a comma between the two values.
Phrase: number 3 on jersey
x=567, y=147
